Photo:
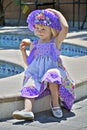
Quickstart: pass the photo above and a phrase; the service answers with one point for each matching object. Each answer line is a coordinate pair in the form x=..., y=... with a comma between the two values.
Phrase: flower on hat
x=41, y=17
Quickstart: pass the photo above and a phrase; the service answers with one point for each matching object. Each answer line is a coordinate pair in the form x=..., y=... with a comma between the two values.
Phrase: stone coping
x=23, y=30
x=17, y=97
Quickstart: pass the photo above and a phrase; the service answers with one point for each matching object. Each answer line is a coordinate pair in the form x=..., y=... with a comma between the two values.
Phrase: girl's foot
x=57, y=111
x=23, y=115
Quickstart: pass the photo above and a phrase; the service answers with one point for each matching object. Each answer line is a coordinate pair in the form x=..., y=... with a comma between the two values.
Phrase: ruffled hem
x=52, y=76
x=29, y=92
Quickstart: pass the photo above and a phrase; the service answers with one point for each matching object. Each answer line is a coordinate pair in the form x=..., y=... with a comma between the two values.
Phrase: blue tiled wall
x=73, y=50
x=13, y=41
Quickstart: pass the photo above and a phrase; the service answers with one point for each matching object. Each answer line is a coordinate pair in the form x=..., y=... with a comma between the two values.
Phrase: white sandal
x=56, y=111
x=23, y=115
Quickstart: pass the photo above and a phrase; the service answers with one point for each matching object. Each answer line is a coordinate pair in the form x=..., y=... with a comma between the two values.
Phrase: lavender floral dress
x=45, y=67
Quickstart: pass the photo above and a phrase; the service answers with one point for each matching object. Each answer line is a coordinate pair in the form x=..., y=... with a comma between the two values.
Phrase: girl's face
x=43, y=32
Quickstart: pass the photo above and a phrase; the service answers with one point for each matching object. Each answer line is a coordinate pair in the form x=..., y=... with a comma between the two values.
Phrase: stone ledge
x=17, y=97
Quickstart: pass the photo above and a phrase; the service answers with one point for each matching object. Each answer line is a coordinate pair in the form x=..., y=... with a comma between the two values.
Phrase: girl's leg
x=28, y=104
x=56, y=109
x=27, y=113
x=54, y=94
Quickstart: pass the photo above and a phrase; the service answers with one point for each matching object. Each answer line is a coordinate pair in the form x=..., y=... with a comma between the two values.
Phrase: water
x=9, y=69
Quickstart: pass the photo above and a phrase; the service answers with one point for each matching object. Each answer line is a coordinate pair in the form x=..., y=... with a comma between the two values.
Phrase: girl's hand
x=51, y=10
x=24, y=44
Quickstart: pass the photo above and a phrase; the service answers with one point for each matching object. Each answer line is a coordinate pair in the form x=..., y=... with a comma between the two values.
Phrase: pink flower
x=40, y=17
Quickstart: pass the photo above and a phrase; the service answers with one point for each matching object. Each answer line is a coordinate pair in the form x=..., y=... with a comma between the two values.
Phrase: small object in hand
x=26, y=40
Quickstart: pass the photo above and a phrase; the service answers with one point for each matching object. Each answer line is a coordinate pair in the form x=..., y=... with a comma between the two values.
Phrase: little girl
x=45, y=73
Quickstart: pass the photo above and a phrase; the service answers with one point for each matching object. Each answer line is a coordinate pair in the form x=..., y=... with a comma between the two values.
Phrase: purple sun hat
x=43, y=17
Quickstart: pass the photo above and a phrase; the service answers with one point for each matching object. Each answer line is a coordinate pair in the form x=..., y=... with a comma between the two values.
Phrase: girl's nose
x=39, y=30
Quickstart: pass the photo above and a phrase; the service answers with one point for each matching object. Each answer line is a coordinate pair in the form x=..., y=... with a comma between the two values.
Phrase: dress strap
x=35, y=42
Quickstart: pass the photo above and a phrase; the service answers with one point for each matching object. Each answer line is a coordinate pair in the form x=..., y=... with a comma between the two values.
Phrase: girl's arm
x=62, y=34
x=23, y=45
x=24, y=55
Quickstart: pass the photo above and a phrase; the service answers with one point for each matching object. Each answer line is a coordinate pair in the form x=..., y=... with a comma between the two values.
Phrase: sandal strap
x=56, y=108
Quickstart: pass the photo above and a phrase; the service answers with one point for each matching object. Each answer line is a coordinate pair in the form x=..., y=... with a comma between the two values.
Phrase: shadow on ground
x=46, y=117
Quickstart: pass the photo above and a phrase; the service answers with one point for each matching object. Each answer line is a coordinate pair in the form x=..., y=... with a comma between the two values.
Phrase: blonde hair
x=54, y=32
